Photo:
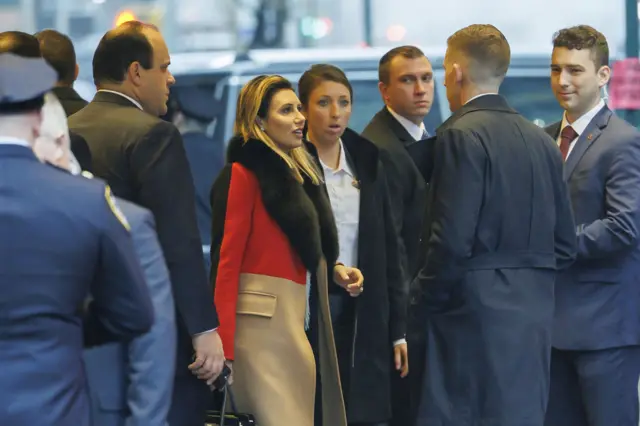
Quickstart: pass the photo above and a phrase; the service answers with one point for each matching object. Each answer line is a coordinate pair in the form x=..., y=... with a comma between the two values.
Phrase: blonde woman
x=273, y=235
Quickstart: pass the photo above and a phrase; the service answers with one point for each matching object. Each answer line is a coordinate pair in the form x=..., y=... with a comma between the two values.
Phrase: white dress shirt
x=580, y=125
x=479, y=96
x=345, y=203
x=129, y=98
x=416, y=132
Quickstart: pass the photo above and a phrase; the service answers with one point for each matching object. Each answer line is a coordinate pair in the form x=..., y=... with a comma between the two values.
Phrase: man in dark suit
x=595, y=361
x=497, y=230
x=53, y=254
x=57, y=49
x=142, y=158
x=406, y=86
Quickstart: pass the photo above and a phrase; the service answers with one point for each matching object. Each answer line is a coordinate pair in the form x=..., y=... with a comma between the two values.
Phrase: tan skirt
x=274, y=367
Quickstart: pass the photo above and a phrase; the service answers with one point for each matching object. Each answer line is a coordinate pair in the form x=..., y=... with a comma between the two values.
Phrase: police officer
x=61, y=239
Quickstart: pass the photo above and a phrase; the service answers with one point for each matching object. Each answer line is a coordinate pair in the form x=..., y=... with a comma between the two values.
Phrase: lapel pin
x=589, y=137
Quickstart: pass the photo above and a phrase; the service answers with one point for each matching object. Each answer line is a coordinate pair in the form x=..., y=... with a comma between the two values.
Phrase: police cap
x=23, y=82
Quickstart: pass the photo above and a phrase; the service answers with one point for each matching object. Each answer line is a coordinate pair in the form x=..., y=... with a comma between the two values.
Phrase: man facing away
x=57, y=49
x=498, y=229
x=406, y=85
x=61, y=240
x=595, y=361
x=143, y=160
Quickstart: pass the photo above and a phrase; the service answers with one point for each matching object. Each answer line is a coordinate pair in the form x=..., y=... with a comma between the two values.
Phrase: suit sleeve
x=81, y=151
x=120, y=308
x=243, y=189
x=458, y=182
x=565, y=238
x=397, y=283
x=618, y=230
x=152, y=356
x=166, y=188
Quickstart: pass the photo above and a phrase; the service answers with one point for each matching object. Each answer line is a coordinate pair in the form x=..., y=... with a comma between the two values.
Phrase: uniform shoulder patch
x=111, y=201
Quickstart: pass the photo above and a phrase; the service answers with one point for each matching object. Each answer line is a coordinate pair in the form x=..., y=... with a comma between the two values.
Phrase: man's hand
x=350, y=279
x=209, y=356
x=230, y=378
x=401, y=356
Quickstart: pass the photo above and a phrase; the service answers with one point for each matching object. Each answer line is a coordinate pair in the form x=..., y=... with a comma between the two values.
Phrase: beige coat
x=274, y=367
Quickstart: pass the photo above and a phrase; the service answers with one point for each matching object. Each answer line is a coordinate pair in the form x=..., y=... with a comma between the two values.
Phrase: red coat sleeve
x=243, y=189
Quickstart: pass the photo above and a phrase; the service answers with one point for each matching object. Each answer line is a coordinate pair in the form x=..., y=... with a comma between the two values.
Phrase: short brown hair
x=584, y=37
x=57, y=49
x=486, y=48
x=384, y=67
x=317, y=74
x=119, y=48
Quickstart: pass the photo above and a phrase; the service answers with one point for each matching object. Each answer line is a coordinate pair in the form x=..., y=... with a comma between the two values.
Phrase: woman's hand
x=350, y=279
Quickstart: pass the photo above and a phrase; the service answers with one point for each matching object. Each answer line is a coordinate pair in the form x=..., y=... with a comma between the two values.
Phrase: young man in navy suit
x=595, y=361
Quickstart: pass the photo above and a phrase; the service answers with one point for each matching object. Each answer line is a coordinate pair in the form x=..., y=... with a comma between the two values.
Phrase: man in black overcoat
x=499, y=227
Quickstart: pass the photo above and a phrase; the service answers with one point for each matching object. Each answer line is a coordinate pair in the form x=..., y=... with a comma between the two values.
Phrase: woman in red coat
x=273, y=234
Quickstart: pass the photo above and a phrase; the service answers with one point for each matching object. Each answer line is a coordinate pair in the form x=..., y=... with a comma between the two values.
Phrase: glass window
x=533, y=98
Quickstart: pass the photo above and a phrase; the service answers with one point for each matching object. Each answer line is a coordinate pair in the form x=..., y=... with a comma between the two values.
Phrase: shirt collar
x=414, y=130
x=580, y=125
x=8, y=140
x=343, y=164
x=479, y=96
x=129, y=98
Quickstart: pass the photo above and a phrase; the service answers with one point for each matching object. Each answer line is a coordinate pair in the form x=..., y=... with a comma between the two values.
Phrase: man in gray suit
x=129, y=383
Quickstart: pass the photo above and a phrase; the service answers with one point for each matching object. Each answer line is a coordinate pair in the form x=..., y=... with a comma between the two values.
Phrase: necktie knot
x=425, y=134
x=567, y=135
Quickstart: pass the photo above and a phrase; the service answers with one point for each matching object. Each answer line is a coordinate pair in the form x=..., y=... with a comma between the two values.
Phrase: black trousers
x=190, y=401
x=406, y=392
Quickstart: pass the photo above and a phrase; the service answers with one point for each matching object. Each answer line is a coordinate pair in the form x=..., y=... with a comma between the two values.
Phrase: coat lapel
x=586, y=139
x=363, y=157
x=554, y=130
x=397, y=128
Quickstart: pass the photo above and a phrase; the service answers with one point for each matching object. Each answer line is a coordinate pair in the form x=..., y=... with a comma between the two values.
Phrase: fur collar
x=303, y=212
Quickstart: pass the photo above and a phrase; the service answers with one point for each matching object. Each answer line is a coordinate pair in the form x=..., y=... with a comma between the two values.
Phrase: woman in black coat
x=370, y=327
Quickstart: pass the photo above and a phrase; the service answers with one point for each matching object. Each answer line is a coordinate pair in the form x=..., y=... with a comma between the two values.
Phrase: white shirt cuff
x=400, y=342
x=208, y=331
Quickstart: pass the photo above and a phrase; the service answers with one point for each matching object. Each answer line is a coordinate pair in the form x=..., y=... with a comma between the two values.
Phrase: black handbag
x=233, y=418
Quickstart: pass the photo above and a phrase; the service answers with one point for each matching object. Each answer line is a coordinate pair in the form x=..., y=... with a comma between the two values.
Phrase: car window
x=533, y=98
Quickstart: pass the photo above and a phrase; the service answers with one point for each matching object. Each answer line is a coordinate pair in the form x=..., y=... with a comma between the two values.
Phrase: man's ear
x=383, y=91
x=604, y=75
x=76, y=73
x=134, y=73
x=458, y=70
